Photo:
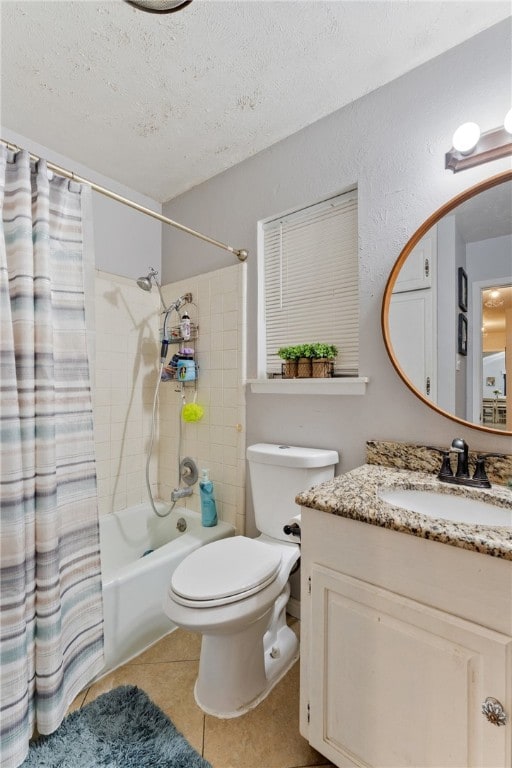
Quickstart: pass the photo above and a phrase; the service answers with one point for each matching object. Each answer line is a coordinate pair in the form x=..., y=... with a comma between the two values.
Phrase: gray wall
x=391, y=143
x=489, y=259
x=126, y=242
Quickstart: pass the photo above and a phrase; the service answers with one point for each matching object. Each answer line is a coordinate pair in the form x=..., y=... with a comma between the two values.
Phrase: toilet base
x=237, y=671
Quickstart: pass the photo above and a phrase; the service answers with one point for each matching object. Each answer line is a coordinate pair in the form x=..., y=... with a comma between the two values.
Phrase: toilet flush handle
x=292, y=530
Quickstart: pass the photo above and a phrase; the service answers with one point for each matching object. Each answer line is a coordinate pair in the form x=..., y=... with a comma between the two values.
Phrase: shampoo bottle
x=185, y=329
x=208, y=506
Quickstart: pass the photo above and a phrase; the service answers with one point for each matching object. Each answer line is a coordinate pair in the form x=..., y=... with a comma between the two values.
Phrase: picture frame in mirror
x=462, y=346
x=463, y=289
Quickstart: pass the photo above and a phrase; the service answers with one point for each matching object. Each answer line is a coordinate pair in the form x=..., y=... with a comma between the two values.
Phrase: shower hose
x=150, y=450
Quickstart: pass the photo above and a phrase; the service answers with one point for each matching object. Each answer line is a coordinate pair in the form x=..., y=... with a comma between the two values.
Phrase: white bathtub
x=134, y=584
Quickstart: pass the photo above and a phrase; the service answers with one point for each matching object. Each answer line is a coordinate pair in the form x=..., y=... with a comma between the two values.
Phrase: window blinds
x=311, y=281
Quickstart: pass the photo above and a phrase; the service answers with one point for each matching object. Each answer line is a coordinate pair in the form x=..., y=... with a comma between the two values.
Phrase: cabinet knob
x=494, y=712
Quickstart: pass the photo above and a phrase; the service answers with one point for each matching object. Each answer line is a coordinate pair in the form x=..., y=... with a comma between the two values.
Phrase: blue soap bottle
x=208, y=506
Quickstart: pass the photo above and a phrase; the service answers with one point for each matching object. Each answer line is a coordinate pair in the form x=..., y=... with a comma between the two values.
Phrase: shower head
x=180, y=301
x=146, y=284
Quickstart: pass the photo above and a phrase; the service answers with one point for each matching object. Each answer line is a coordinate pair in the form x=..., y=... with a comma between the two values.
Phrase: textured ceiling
x=162, y=103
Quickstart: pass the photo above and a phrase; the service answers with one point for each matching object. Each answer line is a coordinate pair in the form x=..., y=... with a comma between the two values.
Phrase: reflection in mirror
x=447, y=311
x=496, y=309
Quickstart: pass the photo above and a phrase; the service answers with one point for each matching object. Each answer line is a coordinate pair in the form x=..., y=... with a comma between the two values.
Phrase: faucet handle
x=491, y=455
x=446, y=467
x=480, y=475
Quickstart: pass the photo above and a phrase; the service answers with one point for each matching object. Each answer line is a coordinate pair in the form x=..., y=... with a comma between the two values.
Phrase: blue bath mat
x=120, y=729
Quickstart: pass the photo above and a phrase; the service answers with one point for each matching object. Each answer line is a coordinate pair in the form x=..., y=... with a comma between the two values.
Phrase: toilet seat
x=225, y=571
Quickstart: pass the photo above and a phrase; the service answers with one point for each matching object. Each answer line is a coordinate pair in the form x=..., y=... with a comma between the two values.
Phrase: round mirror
x=447, y=309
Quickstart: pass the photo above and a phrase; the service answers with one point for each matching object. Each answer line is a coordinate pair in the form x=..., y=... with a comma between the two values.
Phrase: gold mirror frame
x=493, y=181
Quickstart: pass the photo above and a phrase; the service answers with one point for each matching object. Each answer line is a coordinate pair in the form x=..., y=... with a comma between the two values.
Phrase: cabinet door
x=412, y=332
x=418, y=269
x=396, y=683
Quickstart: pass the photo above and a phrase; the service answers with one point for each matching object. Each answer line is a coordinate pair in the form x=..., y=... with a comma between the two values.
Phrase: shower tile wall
x=126, y=364
x=125, y=372
x=218, y=440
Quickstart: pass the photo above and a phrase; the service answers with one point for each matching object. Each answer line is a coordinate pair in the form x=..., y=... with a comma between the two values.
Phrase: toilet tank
x=277, y=474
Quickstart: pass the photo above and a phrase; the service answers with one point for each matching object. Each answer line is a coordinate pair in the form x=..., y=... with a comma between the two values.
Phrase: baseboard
x=293, y=607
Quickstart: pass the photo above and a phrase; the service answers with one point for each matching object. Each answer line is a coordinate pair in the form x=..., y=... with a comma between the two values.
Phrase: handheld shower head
x=180, y=301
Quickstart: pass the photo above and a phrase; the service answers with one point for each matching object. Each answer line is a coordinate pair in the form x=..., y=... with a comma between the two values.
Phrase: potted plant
x=322, y=359
x=304, y=361
x=290, y=355
x=305, y=352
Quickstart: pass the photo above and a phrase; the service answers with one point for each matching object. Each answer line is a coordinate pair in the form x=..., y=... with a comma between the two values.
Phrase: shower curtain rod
x=241, y=254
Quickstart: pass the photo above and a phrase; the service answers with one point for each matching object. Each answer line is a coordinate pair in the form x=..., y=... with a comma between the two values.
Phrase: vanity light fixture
x=466, y=138
x=471, y=148
x=507, y=123
x=159, y=6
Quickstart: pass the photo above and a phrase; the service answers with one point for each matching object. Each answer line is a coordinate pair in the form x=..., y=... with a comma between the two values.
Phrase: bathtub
x=139, y=552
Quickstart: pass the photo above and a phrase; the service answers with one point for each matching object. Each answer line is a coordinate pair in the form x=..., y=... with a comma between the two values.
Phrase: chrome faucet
x=179, y=493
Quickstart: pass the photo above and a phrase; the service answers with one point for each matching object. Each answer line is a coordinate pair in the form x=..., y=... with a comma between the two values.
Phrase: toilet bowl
x=235, y=591
x=241, y=613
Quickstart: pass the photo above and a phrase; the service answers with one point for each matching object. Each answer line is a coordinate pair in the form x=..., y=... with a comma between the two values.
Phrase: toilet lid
x=225, y=571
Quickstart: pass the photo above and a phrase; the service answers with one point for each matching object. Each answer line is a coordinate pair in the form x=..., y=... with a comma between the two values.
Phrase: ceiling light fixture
x=493, y=299
x=471, y=148
x=159, y=6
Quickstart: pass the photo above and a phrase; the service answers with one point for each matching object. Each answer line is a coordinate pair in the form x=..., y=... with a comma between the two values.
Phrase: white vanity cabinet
x=403, y=640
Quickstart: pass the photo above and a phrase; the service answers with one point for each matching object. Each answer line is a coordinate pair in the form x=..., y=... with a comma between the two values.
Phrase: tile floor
x=267, y=737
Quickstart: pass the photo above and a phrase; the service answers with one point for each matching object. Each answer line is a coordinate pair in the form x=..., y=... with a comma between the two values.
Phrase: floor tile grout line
x=204, y=729
x=148, y=663
x=85, y=694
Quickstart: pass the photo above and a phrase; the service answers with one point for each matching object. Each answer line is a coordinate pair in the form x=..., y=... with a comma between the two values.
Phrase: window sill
x=353, y=385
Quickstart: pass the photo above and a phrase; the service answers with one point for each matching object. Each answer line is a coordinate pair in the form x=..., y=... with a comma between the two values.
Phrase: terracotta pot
x=304, y=368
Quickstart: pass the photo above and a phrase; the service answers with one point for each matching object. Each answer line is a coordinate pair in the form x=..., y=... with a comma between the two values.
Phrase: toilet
x=234, y=591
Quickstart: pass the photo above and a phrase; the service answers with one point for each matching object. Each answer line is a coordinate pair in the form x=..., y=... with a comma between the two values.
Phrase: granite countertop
x=355, y=496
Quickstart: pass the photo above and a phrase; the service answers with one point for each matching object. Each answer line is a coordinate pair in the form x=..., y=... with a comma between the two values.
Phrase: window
x=309, y=282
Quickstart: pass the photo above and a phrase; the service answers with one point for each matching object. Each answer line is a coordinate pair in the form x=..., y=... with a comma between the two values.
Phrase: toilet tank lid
x=291, y=455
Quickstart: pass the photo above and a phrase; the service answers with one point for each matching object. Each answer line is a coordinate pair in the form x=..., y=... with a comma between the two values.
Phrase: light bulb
x=507, y=123
x=466, y=138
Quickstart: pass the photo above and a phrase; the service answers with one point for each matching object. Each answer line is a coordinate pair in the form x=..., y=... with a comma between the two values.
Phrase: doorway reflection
x=496, y=305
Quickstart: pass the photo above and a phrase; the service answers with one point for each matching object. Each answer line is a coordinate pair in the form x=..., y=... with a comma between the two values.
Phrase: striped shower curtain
x=51, y=621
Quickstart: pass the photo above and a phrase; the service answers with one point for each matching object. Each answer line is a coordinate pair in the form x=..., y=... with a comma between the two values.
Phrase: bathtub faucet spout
x=179, y=493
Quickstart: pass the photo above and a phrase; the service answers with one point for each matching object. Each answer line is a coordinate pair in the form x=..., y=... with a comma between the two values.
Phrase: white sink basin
x=458, y=509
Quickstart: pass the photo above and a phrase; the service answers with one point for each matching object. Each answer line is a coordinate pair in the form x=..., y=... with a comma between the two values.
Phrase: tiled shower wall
x=125, y=372
x=217, y=442
x=126, y=366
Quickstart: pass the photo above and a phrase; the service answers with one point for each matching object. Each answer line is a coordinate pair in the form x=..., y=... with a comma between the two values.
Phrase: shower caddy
x=177, y=339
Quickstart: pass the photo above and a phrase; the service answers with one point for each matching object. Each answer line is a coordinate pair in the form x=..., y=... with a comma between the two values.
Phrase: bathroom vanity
x=406, y=627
